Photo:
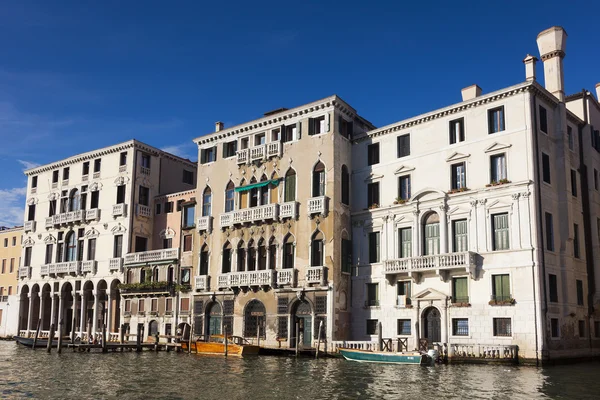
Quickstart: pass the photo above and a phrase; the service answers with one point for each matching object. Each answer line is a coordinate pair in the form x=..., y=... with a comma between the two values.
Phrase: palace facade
x=10, y=253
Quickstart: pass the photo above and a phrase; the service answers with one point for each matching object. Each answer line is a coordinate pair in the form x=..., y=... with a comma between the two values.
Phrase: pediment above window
x=430, y=294
x=403, y=169
x=497, y=146
x=119, y=229
x=167, y=233
x=92, y=233
x=373, y=178
x=50, y=239
x=28, y=242
x=456, y=156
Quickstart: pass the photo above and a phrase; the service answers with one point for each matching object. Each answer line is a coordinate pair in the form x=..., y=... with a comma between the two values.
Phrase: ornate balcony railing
x=143, y=211
x=68, y=267
x=93, y=214
x=115, y=264
x=507, y=353
x=202, y=282
x=145, y=170
x=445, y=261
x=69, y=217
x=122, y=168
x=49, y=222
x=88, y=266
x=25, y=272
x=226, y=219
x=249, y=215
x=288, y=209
x=274, y=149
x=96, y=175
x=29, y=226
x=119, y=210
x=316, y=275
x=317, y=205
x=204, y=224
x=258, y=152
x=247, y=279
x=242, y=156
x=44, y=270
x=286, y=277
x=152, y=256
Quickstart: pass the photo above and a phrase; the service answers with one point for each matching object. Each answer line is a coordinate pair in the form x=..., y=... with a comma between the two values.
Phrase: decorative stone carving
x=32, y=201
x=121, y=180
x=515, y=196
x=28, y=242
x=526, y=194
x=53, y=196
x=482, y=201
x=50, y=239
x=95, y=186
x=91, y=233
x=119, y=229
x=167, y=233
x=473, y=203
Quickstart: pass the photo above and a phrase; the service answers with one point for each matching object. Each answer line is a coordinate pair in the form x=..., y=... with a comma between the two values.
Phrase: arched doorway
x=68, y=307
x=214, y=318
x=184, y=330
x=114, y=322
x=303, y=316
x=254, y=319
x=46, y=306
x=152, y=328
x=431, y=234
x=24, y=308
x=35, y=307
x=432, y=325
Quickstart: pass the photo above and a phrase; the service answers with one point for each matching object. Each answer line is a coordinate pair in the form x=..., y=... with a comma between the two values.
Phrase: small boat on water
x=236, y=346
x=405, y=357
x=41, y=343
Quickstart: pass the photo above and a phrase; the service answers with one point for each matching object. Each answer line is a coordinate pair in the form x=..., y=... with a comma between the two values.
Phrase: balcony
x=145, y=170
x=226, y=219
x=249, y=215
x=70, y=217
x=143, y=211
x=147, y=288
x=122, y=168
x=119, y=210
x=274, y=149
x=202, y=283
x=115, y=264
x=29, y=226
x=96, y=175
x=88, y=266
x=69, y=267
x=152, y=256
x=317, y=205
x=49, y=222
x=288, y=210
x=258, y=153
x=438, y=262
x=316, y=275
x=25, y=272
x=92, y=215
x=242, y=156
x=204, y=224
x=287, y=277
x=247, y=279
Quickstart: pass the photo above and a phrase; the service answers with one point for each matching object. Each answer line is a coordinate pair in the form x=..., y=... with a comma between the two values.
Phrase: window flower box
x=400, y=200
x=460, y=190
x=506, y=302
x=498, y=183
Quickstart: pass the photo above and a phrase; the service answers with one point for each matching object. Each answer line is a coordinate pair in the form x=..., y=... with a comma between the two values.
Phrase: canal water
x=35, y=374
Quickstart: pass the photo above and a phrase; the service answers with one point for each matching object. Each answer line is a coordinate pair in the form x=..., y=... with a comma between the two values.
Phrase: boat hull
x=219, y=348
x=384, y=357
x=41, y=343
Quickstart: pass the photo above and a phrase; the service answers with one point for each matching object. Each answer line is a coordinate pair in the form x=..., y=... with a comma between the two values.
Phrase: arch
x=155, y=274
x=207, y=202
x=272, y=262
x=345, y=185
x=229, y=197
x=142, y=275
x=241, y=256
x=74, y=200
x=289, y=192
x=317, y=249
x=170, y=274
x=288, y=251
x=262, y=254
x=130, y=275
x=24, y=308
x=425, y=191
x=185, y=330
x=431, y=323
x=203, y=261
x=68, y=306
x=46, y=305
x=71, y=246
x=318, y=180
x=153, y=328
x=251, y=255
x=226, y=260
x=254, y=195
x=431, y=233
x=264, y=192
x=254, y=319
x=302, y=314
x=214, y=318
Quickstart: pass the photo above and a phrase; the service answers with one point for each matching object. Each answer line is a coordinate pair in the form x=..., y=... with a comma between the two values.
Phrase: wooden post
x=60, y=336
x=104, y=345
x=379, y=338
x=50, y=337
x=225, y=340
x=156, y=342
x=37, y=333
x=297, y=335
x=122, y=336
x=257, y=334
x=190, y=340
x=138, y=339
x=89, y=334
x=319, y=339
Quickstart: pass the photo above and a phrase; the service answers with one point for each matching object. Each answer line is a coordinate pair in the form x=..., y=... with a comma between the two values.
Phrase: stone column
x=95, y=317
x=83, y=313
x=41, y=316
x=30, y=311
x=482, y=226
x=268, y=249
x=416, y=234
x=444, y=323
x=515, y=225
x=53, y=310
x=74, y=313
x=61, y=305
x=108, y=321
x=443, y=229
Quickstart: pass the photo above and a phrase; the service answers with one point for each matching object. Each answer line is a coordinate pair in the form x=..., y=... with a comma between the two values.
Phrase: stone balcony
x=68, y=267
x=242, y=156
x=274, y=149
x=249, y=215
x=317, y=205
x=439, y=263
x=202, y=283
x=316, y=275
x=247, y=279
x=92, y=215
x=29, y=226
x=288, y=210
x=115, y=264
x=204, y=224
x=287, y=277
x=73, y=217
x=152, y=256
x=119, y=210
x=25, y=272
x=143, y=211
x=258, y=153
x=89, y=266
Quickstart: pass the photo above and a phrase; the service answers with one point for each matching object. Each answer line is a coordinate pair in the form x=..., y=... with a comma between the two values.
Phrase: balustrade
x=25, y=272
x=29, y=226
x=274, y=149
x=484, y=351
x=115, y=264
x=247, y=279
x=286, y=277
x=202, y=282
x=204, y=224
x=288, y=209
x=242, y=156
x=316, y=275
x=317, y=205
x=434, y=262
x=88, y=266
x=119, y=210
x=143, y=211
x=152, y=256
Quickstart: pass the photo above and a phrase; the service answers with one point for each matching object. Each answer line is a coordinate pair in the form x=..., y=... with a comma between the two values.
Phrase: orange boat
x=236, y=346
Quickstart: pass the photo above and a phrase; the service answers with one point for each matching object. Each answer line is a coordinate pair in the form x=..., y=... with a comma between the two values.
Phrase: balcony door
x=431, y=234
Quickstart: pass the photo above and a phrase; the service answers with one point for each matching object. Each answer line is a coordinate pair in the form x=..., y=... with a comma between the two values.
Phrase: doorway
x=432, y=324
x=214, y=319
x=303, y=316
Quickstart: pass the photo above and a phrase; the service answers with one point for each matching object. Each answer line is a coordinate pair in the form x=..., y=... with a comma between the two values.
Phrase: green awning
x=273, y=182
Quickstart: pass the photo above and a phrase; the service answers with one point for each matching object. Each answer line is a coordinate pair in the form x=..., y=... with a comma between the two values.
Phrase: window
x=574, y=183
x=553, y=286
x=316, y=247
x=460, y=290
x=27, y=261
x=229, y=149
x=206, y=202
x=498, y=168
x=404, y=327
x=291, y=132
x=9, y=290
x=403, y=143
x=95, y=199
x=34, y=182
x=457, y=130
x=346, y=256
x=460, y=239
x=546, y=168
x=97, y=165
x=141, y=305
x=404, y=187
x=49, y=250
x=121, y=194
x=185, y=276
x=276, y=135
x=80, y=243
x=501, y=288
x=167, y=243
x=579, y=285
x=187, y=243
x=404, y=293
x=145, y=160
x=226, y=259
x=290, y=185
x=554, y=331
x=346, y=127
x=318, y=188
x=500, y=230
x=141, y=244
x=549, y=232
x=188, y=177
x=185, y=304
x=54, y=176
x=459, y=176
x=345, y=186
x=543, y=120
x=229, y=197
x=65, y=174
x=576, y=253
x=12, y=265
x=259, y=139
x=317, y=125
x=168, y=207
x=374, y=247
x=123, y=159
x=158, y=208
x=580, y=325
x=208, y=155
x=460, y=327
x=169, y=305
x=118, y=246
x=144, y=196
x=71, y=243
x=570, y=137
x=204, y=262
x=288, y=252
x=502, y=327
x=496, y=120
x=154, y=305
x=373, y=154
x=372, y=295
x=595, y=179
x=91, y=255
x=85, y=168
x=31, y=212
x=373, y=194
x=372, y=326
x=188, y=216
x=51, y=208
x=405, y=245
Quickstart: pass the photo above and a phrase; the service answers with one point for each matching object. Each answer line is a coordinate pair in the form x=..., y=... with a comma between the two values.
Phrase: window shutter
x=225, y=150
x=505, y=286
x=350, y=129
x=311, y=126
x=327, y=122
x=202, y=156
x=501, y=232
x=215, y=153
x=298, y=130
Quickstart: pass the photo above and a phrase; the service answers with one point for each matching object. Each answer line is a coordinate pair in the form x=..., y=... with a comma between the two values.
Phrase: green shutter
x=460, y=236
x=290, y=188
x=501, y=232
x=502, y=287
x=460, y=292
x=432, y=239
x=405, y=235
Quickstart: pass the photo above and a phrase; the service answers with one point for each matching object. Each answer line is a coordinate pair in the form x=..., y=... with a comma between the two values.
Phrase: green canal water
x=36, y=374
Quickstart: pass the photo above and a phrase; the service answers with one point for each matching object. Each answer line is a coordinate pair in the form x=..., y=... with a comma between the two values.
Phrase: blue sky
x=78, y=75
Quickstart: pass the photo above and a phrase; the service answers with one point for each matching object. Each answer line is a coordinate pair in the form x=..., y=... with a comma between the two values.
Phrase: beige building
x=10, y=257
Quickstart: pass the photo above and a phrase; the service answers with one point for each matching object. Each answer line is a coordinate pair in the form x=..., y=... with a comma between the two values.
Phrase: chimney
x=529, y=62
x=218, y=126
x=470, y=92
x=598, y=91
x=551, y=44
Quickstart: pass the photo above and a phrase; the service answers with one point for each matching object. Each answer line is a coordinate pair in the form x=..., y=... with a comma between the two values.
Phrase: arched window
x=290, y=186
x=155, y=273
x=251, y=256
x=288, y=251
x=316, y=248
x=170, y=274
x=226, y=267
x=431, y=234
x=243, y=196
x=71, y=241
x=274, y=190
x=272, y=254
x=142, y=275
x=130, y=276
x=206, y=202
x=241, y=257
x=229, y=197
x=253, y=194
x=264, y=192
x=152, y=328
x=345, y=185
x=318, y=188
x=203, y=267
x=262, y=255
x=254, y=319
x=74, y=204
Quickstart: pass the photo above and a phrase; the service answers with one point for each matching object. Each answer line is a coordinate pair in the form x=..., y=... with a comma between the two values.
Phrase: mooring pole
x=225, y=327
x=60, y=336
x=379, y=338
x=319, y=339
x=37, y=333
x=297, y=335
x=50, y=338
x=104, y=345
x=138, y=339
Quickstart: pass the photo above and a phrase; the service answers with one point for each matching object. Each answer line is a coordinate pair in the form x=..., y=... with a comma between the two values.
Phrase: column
x=30, y=311
x=53, y=310
x=268, y=249
x=95, y=317
x=74, y=314
x=444, y=323
x=61, y=305
x=108, y=321
x=416, y=234
x=482, y=224
x=82, y=320
x=443, y=229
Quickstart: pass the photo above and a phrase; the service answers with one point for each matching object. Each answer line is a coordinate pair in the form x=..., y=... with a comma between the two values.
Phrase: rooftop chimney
x=598, y=91
x=529, y=62
x=470, y=92
x=551, y=44
x=218, y=126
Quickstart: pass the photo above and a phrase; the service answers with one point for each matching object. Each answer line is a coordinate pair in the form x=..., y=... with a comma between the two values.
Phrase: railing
x=115, y=264
x=222, y=281
x=316, y=275
x=484, y=351
x=29, y=226
x=353, y=344
x=288, y=209
x=96, y=175
x=69, y=217
x=93, y=214
x=268, y=211
x=44, y=270
x=25, y=272
x=152, y=256
x=274, y=149
x=226, y=219
x=286, y=277
x=202, y=282
x=33, y=190
x=54, y=185
x=68, y=267
x=242, y=156
x=438, y=261
x=249, y=215
x=143, y=211
x=317, y=205
x=247, y=278
x=119, y=210
x=157, y=287
x=84, y=178
x=88, y=266
x=49, y=222
x=258, y=152
x=122, y=168
x=204, y=224
x=145, y=170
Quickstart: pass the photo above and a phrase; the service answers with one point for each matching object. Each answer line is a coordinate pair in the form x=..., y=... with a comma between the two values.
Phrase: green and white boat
x=407, y=357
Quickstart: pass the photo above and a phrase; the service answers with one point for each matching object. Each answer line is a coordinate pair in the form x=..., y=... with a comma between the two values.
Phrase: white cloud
x=28, y=164
x=184, y=150
x=12, y=206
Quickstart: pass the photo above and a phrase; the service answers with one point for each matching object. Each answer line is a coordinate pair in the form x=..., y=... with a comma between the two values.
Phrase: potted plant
x=374, y=205
x=400, y=200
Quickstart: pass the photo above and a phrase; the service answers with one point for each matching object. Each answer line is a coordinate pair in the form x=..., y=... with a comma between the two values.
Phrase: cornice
x=169, y=195
x=11, y=230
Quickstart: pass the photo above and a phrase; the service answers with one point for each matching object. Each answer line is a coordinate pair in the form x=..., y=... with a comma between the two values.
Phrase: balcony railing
x=316, y=275
x=115, y=264
x=88, y=266
x=204, y=224
x=247, y=279
x=92, y=215
x=288, y=209
x=258, y=153
x=29, y=226
x=25, y=272
x=68, y=267
x=49, y=222
x=143, y=211
x=202, y=282
x=122, y=168
x=69, y=217
x=152, y=256
x=145, y=170
x=435, y=262
x=249, y=215
x=317, y=205
x=226, y=219
x=242, y=156
x=286, y=277
x=119, y=210
x=274, y=149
